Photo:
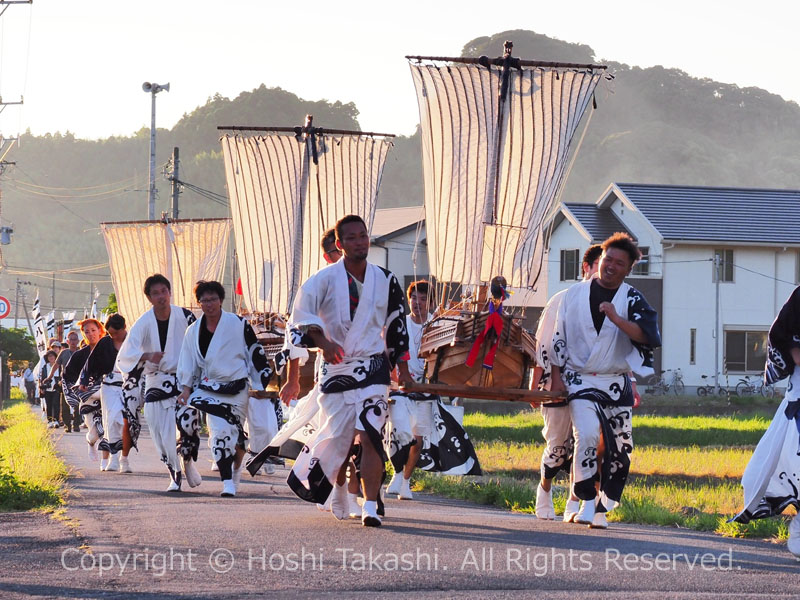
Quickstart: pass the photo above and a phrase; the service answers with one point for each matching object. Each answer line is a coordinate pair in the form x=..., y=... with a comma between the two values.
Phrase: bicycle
x=658, y=385
x=709, y=390
x=746, y=387
x=677, y=382
x=768, y=391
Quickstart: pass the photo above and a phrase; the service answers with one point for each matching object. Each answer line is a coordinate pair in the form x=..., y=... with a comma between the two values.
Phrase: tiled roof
x=601, y=223
x=689, y=213
x=391, y=220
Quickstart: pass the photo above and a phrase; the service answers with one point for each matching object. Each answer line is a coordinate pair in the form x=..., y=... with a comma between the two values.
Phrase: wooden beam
x=485, y=393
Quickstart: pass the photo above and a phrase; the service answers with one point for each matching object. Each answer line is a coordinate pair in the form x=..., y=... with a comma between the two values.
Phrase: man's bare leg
x=371, y=472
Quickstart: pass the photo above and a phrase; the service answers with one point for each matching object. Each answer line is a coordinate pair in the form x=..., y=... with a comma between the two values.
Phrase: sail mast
x=495, y=137
x=287, y=186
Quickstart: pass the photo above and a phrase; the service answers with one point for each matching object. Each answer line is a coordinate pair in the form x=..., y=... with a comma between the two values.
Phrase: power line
x=76, y=270
x=61, y=204
x=126, y=181
x=213, y=196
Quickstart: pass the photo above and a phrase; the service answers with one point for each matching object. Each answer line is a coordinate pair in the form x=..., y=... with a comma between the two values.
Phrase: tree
x=112, y=306
x=18, y=345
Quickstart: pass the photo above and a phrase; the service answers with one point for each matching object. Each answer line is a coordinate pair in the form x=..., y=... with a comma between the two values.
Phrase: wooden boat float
x=448, y=340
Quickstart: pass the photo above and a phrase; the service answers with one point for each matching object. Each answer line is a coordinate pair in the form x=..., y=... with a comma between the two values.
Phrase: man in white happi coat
x=410, y=431
x=604, y=330
x=353, y=311
x=301, y=411
x=304, y=412
x=557, y=430
x=151, y=352
x=421, y=433
x=220, y=359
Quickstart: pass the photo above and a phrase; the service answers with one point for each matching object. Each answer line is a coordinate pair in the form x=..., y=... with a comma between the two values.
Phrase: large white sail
x=184, y=251
x=492, y=168
x=285, y=191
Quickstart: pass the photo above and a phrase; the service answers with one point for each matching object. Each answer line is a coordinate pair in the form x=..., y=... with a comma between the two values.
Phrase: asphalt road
x=123, y=536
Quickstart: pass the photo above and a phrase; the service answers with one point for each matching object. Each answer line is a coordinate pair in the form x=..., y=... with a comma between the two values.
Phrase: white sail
x=184, y=251
x=282, y=202
x=493, y=169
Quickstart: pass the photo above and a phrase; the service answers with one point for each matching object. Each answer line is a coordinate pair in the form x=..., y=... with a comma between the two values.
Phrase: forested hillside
x=652, y=125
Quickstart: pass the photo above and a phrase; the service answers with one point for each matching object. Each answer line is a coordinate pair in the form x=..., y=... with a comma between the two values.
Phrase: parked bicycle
x=658, y=385
x=750, y=387
x=708, y=389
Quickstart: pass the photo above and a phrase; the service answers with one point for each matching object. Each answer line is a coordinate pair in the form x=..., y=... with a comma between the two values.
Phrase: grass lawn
x=685, y=469
x=31, y=475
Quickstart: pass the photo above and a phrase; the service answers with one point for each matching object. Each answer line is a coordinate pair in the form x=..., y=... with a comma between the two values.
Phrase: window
x=723, y=264
x=570, y=265
x=692, y=346
x=745, y=350
x=643, y=266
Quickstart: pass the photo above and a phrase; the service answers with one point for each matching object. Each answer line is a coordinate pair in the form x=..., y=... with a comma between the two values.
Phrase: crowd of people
x=180, y=370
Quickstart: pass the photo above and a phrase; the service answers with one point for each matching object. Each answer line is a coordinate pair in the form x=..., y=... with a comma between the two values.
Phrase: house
x=718, y=263
x=397, y=242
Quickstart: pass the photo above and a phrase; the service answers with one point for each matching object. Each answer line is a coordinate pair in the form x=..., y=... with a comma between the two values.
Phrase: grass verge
x=689, y=506
x=649, y=430
x=31, y=475
x=685, y=470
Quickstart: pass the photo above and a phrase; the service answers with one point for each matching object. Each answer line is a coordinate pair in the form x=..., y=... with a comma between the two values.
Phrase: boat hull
x=447, y=342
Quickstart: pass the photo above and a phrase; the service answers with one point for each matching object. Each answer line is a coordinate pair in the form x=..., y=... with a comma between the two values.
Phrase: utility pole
x=153, y=89
x=53, y=293
x=27, y=315
x=174, y=178
x=716, y=321
x=16, y=303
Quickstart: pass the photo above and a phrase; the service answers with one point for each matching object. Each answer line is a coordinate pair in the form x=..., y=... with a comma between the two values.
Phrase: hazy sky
x=80, y=64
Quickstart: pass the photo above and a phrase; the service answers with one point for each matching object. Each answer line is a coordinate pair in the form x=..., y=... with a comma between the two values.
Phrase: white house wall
x=397, y=255
x=565, y=237
x=750, y=302
x=645, y=235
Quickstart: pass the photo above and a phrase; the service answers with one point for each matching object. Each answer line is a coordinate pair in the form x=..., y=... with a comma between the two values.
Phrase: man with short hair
x=69, y=417
x=557, y=430
x=151, y=350
x=420, y=433
x=604, y=329
x=220, y=360
x=353, y=312
x=305, y=418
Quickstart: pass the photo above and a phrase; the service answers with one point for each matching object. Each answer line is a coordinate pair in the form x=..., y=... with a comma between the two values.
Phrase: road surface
x=123, y=536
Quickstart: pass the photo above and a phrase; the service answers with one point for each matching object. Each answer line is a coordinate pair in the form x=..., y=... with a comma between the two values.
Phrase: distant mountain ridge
x=652, y=125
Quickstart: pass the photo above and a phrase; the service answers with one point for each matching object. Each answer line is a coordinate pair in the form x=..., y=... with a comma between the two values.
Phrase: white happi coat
x=324, y=302
x=143, y=338
x=544, y=336
x=578, y=348
x=227, y=358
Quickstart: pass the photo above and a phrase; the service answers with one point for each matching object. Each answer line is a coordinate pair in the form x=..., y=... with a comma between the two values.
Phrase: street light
x=153, y=89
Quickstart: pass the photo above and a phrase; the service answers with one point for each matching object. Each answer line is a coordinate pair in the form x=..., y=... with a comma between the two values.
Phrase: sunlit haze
x=80, y=65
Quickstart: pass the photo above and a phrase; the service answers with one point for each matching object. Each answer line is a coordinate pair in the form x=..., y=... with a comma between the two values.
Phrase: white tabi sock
x=355, y=509
x=340, y=503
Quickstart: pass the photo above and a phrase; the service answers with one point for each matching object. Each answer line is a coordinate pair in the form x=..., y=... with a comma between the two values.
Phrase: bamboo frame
x=498, y=62
x=299, y=130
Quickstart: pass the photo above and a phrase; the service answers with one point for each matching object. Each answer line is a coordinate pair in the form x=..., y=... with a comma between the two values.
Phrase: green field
x=685, y=468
